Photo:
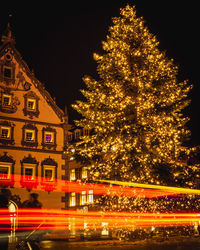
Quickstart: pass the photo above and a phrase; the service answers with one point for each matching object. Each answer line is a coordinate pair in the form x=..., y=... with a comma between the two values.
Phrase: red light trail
x=118, y=189
x=53, y=219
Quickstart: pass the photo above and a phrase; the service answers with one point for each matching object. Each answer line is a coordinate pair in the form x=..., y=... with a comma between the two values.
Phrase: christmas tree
x=134, y=109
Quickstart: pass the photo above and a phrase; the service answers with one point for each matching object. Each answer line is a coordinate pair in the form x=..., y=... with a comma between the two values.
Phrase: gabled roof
x=8, y=42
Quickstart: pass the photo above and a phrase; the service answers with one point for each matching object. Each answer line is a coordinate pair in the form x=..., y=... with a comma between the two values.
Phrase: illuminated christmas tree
x=134, y=109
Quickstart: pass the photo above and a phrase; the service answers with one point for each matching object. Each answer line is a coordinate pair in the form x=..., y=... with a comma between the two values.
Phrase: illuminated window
x=84, y=173
x=29, y=172
x=29, y=135
x=72, y=174
x=5, y=132
x=6, y=100
x=49, y=173
x=49, y=137
x=90, y=196
x=31, y=104
x=5, y=170
x=72, y=201
x=83, y=197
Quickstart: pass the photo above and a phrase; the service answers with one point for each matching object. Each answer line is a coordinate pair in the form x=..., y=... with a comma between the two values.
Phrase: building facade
x=33, y=131
x=75, y=172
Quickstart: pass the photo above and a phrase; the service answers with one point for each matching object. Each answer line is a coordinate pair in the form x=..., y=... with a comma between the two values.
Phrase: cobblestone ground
x=170, y=244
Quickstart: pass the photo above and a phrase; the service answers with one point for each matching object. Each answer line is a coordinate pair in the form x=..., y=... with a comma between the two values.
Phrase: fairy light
x=134, y=110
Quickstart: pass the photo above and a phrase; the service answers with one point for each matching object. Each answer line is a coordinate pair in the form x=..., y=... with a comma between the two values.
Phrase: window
x=90, y=196
x=7, y=72
x=31, y=104
x=49, y=137
x=49, y=173
x=5, y=170
x=6, y=100
x=5, y=132
x=72, y=174
x=83, y=200
x=29, y=135
x=72, y=200
x=29, y=172
x=84, y=172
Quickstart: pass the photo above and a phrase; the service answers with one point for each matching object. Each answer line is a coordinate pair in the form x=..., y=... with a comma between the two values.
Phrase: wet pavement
x=170, y=244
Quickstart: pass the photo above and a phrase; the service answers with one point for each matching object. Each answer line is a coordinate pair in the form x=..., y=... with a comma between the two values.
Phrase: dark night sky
x=57, y=39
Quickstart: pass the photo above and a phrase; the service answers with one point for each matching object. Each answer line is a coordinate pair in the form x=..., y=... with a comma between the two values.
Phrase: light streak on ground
x=53, y=219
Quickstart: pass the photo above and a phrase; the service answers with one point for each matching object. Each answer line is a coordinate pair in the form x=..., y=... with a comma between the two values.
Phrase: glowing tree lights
x=134, y=110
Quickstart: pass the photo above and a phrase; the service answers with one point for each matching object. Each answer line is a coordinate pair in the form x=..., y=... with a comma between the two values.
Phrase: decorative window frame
x=33, y=168
x=31, y=112
x=49, y=145
x=26, y=127
x=7, y=63
x=7, y=165
x=10, y=140
x=49, y=163
x=14, y=101
x=8, y=161
x=29, y=162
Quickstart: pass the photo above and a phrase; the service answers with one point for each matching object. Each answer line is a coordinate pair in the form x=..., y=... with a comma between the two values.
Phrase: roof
x=8, y=42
